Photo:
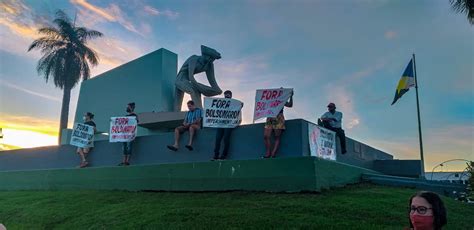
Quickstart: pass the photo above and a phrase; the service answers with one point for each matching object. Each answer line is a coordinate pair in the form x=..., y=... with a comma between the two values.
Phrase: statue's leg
x=186, y=87
x=196, y=97
x=208, y=91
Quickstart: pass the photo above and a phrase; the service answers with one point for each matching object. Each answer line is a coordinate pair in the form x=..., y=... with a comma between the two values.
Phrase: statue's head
x=210, y=52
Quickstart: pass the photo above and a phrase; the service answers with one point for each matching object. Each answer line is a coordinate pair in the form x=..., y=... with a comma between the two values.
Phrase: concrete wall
x=292, y=174
x=405, y=168
x=246, y=143
x=148, y=81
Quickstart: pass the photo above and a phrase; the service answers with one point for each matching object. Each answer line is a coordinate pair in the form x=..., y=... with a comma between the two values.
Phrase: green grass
x=352, y=207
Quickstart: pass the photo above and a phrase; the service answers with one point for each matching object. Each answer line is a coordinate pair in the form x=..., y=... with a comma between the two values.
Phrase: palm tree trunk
x=64, y=112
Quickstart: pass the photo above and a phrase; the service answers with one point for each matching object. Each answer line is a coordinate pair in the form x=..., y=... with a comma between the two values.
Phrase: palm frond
x=84, y=34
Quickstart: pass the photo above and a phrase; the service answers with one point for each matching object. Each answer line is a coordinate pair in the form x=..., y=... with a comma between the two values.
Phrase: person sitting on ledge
x=332, y=120
x=192, y=123
x=276, y=125
x=83, y=152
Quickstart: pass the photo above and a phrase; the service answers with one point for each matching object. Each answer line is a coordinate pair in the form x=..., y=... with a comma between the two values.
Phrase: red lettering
x=274, y=94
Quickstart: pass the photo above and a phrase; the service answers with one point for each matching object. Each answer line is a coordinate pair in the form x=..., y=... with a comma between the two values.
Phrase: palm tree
x=464, y=7
x=65, y=57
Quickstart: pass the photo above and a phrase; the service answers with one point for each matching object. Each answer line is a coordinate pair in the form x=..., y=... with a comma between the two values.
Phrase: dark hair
x=439, y=211
x=190, y=103
x=132, y=105
x=89, y=114
x=228, y=92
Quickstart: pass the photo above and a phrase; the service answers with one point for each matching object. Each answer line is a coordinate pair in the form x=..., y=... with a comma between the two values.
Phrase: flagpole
x=422, y=175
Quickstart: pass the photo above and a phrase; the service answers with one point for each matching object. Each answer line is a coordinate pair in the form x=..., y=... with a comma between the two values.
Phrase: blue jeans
x=222, y=133
x=127, y=148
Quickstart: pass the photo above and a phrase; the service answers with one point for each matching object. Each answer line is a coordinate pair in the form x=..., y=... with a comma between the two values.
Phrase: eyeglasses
x=420, y=209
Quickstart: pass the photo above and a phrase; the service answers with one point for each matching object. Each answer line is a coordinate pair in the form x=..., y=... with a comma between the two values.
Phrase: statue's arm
x=211, y=77
x=290, y=102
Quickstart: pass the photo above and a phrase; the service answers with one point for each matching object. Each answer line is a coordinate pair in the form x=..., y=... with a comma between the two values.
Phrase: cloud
x=113, y=13
x=97, y=10
x=155, y=12
x=25, y=90
x=113, y=52
x=390, y=34
x=440, y=144
x=29, y=123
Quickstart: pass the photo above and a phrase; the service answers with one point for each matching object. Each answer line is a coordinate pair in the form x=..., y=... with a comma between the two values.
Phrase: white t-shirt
x=337, y=115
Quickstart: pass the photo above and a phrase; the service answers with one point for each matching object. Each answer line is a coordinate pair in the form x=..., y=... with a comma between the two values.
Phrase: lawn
x=353, y=207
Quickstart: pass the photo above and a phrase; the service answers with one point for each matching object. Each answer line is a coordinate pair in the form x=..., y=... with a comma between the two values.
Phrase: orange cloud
x=112, y=13
x=28, y=123
x=100, y=11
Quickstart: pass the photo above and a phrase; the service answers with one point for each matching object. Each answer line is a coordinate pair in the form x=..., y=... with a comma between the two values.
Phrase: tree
x=464, y=7
x=65, y=57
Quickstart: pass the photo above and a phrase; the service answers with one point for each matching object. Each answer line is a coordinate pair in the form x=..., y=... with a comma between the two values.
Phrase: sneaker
x=121, y=164
x=83, y=164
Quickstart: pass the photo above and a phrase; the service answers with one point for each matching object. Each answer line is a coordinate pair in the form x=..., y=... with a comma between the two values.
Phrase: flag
x=407, y=81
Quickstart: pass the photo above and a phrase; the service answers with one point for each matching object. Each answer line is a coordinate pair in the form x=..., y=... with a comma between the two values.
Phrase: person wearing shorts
x=275, y=126
x=192, y=123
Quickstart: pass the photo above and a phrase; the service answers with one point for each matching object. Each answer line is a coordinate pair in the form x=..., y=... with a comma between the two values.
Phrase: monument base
x=273, y=175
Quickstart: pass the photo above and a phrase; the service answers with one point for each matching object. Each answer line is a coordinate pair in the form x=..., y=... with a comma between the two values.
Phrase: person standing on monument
x=127, y=146
x=191, y=123
x=223, y=133
x=332, y=120
x=83, y=152
x=275, y=125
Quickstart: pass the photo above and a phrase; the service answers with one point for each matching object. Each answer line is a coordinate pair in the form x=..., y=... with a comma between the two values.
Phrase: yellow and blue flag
x=407, y=81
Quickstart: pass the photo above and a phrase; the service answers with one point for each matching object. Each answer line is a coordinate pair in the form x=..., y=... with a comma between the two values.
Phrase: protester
x=223, y=133
x=192, y=123
x=83, y=152
x=426, y=211
x=275, y=125
x=332, y=120
x=127, y=146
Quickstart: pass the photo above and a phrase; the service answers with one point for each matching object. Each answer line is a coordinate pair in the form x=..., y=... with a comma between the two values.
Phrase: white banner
x=82, y=136
x=322, y=142
x=123, y=129
x=269, y=102
x=222, y=112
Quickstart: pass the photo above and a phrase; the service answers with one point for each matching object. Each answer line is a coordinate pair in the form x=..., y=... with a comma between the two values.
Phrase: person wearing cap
x=127, y=146
x=223, y=133
x=83, y=152
x=275, y=125
x=332, y=120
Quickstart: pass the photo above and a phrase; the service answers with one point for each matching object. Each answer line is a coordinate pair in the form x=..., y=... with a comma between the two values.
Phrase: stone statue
x=186, y=83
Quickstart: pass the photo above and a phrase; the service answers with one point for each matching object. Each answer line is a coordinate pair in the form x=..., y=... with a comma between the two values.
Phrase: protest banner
x=123, y=129
x=269, y=102
x=322, y=142
x=82, y=136
x=222, y=112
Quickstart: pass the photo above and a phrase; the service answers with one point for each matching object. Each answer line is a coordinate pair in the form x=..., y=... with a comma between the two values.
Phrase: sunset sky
x=350, y=52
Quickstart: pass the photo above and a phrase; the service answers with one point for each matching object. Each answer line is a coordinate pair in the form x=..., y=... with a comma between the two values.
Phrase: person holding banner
x=83, y=152
x=275, y=125
x=223, y=133
x=192, y=123
x=127, y=146
x=332, y=120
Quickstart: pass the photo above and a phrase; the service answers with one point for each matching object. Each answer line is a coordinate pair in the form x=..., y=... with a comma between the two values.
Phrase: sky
x=350, y=52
